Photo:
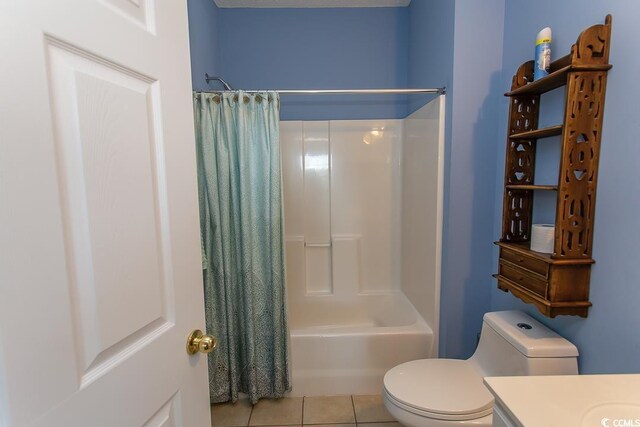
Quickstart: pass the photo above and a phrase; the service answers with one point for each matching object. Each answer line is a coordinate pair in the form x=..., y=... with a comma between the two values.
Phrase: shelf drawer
x=523, y=278
x=535, y=265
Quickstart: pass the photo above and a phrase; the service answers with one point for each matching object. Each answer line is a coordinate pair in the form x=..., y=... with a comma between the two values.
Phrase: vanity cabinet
x=501, y=417
x=556, y=283
x=565, y=400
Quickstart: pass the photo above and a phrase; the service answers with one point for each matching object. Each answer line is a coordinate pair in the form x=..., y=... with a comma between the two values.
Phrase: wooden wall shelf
x=554, y=80
x=524, y=248
x=531, y=187
x=539, y=133
x=557, y=283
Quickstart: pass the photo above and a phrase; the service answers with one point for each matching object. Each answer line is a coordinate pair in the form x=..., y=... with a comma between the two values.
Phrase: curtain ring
x=216, y=99
x=235, y=98
x=259, y=98
x=245, y=99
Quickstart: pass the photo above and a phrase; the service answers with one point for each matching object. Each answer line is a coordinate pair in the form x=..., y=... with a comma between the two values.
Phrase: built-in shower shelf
x=317, y=245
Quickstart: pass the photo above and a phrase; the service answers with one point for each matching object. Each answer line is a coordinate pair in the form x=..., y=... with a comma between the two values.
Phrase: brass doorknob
x=199, y=342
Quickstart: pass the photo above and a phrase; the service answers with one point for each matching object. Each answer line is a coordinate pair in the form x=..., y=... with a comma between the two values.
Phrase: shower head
x=226, y=85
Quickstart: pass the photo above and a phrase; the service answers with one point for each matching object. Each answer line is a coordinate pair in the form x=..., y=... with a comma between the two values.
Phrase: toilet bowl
x=455, y=394
x=451, y=392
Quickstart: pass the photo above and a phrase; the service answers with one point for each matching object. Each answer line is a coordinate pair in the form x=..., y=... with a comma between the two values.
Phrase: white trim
x=440, y=207
x=309, y=3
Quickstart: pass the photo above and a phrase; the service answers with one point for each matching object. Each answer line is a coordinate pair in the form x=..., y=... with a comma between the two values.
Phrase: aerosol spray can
x=543, y=54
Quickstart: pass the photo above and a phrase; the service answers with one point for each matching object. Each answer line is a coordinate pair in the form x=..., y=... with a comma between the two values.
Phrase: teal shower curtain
x=238, y=153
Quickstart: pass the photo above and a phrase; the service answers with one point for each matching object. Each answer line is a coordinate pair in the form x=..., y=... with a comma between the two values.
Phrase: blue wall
x=431, y=28
x=467, y=261
x=608, y=340
x=204, y=41
x=338, y=48
x=451, y=43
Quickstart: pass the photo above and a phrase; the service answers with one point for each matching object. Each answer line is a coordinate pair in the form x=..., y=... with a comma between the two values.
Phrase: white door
x=100, y=279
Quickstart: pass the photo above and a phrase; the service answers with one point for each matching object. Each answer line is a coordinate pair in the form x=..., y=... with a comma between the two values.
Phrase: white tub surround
x=422, y=198
x=363, y=203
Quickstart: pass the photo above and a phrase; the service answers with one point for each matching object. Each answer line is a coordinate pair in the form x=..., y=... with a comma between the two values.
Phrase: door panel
x=138, y=11
x=100, y=274
x=108, y=179
x=166, y=416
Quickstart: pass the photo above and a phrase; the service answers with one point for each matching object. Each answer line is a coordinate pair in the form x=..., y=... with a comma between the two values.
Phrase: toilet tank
x=513, y=343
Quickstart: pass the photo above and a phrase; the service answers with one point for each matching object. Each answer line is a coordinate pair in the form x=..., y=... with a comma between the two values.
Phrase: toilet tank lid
x=529, y=336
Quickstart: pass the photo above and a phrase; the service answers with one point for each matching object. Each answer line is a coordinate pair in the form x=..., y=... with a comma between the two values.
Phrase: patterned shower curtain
x=237, y=138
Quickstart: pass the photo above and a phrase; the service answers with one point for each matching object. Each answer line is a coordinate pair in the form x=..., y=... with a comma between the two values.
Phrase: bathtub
x=346, y=348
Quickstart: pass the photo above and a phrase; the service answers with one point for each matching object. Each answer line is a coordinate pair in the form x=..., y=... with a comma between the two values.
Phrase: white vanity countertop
x=569, y=400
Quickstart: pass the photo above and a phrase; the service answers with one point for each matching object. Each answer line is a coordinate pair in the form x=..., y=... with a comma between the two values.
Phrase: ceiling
x=311, y=3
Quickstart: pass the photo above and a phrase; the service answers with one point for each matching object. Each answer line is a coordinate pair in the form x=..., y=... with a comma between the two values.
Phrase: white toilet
x=450, y=393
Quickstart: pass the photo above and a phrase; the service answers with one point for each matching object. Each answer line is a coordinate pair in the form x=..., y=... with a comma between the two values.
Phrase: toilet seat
x=443, y=389
x=434, y=415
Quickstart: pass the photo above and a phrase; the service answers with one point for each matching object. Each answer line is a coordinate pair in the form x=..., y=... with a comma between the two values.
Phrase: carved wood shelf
x=557, y=283
x=538, y=133
x=532, y=187
x=524, y=248
x=554, y=80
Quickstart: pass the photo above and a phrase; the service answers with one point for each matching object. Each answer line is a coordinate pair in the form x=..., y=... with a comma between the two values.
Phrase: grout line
x=368, y=423
x=324, y=424
x=302, y=415
x=250, y=414
x=353, y=405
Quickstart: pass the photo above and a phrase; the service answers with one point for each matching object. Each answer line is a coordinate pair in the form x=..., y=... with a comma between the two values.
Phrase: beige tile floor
x=338, y=411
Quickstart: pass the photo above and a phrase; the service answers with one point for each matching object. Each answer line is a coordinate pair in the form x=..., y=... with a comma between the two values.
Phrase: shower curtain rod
x=228, y=88
x=440, y=91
